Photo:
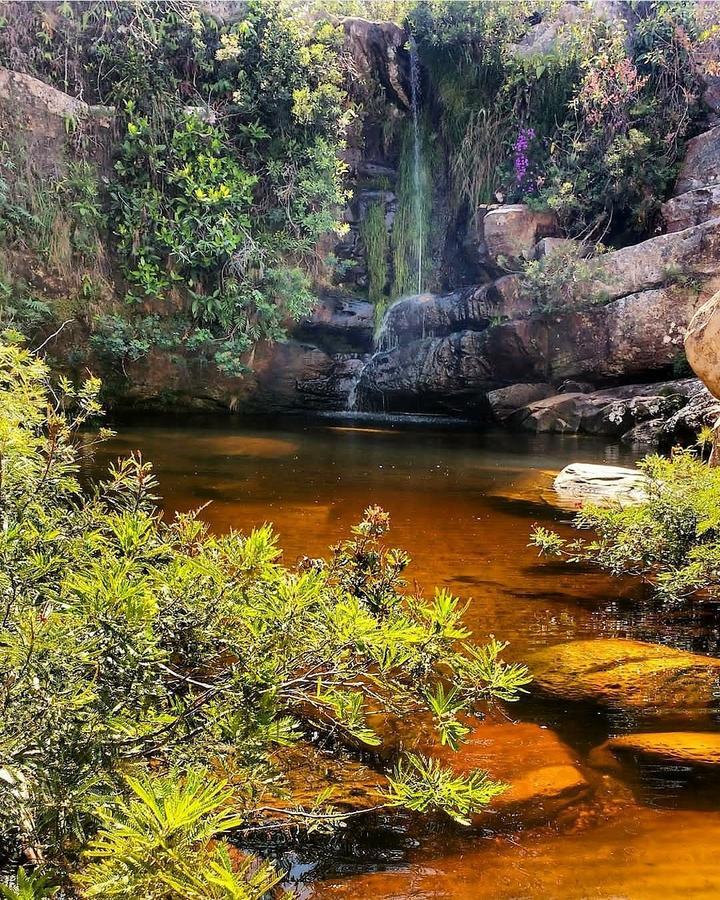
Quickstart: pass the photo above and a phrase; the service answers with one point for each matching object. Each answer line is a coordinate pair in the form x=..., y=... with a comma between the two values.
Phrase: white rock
x=601, y=484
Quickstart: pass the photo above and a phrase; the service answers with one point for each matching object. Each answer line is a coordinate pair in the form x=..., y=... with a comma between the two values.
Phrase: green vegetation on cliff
x=152, y=672
x=228, y=173
x=587, y=118
x=204, y=219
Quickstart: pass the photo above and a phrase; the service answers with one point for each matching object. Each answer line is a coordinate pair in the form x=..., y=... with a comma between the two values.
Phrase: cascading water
x=417, y=161
x=383, y=339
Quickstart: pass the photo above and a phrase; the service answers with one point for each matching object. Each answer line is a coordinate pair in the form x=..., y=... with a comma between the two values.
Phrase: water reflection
x=463, y=505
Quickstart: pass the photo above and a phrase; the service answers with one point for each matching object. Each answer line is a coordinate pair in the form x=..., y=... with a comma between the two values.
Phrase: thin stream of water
x=415, y=98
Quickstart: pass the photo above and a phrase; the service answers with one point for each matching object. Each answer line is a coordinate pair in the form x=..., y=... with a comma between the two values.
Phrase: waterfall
x=417, y=174
x=352, y=400
x=383, y=339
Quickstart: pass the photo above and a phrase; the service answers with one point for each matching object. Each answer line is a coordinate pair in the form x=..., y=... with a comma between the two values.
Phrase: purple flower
x=522, y=160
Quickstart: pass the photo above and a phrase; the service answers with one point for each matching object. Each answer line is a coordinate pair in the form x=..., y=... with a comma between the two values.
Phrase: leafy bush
x=228, y=172
x=672, y=538
x=226, y=200
x=562, y=278
x=149, y=667
x=592, y=126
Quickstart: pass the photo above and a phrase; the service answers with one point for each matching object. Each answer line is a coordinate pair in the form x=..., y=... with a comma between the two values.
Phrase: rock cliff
x=607, y=362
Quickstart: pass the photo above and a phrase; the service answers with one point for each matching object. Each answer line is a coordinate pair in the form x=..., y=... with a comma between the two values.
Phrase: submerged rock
x=541, y=772
x=309, y=772
x=632, y=676
x=695, y=749
x=584, y=482
x=645, y=434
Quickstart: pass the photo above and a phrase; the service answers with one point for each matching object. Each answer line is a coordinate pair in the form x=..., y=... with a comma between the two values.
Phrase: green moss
x=375, y=237
x=412, y=225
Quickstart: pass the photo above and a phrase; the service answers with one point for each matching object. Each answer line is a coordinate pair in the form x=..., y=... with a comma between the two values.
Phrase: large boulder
x=636, y=335
x=649, y=680
x=549, y=36
x=453, y=372
x=691, y=208
x=377, y=51
x=38, y=122
x=701, y=410
x=598, y=484
x=612, y=411
x=702, y=343
x=504, y=401
x=693, y=252
x=701, y=166
x=511, y=232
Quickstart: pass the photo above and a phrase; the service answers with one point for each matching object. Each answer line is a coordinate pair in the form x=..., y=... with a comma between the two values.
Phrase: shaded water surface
x=462, y=505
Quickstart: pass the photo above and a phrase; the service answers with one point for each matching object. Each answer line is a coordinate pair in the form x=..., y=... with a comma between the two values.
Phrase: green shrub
x=564, y=278
x=592, y=127
x=149, y=667
x=672, y=538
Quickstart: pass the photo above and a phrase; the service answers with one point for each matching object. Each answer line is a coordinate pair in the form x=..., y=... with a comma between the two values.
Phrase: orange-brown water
x=463, y=505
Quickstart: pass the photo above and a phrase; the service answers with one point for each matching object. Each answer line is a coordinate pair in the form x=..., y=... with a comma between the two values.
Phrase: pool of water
x=462, y=504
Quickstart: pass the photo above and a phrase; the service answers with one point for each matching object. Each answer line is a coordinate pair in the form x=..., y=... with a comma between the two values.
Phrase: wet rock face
x=453, y=372
x=436, y=315
x=647, y=680
x=339, y=323
x=331, y=389
x=631, y=337
x=285, y=377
